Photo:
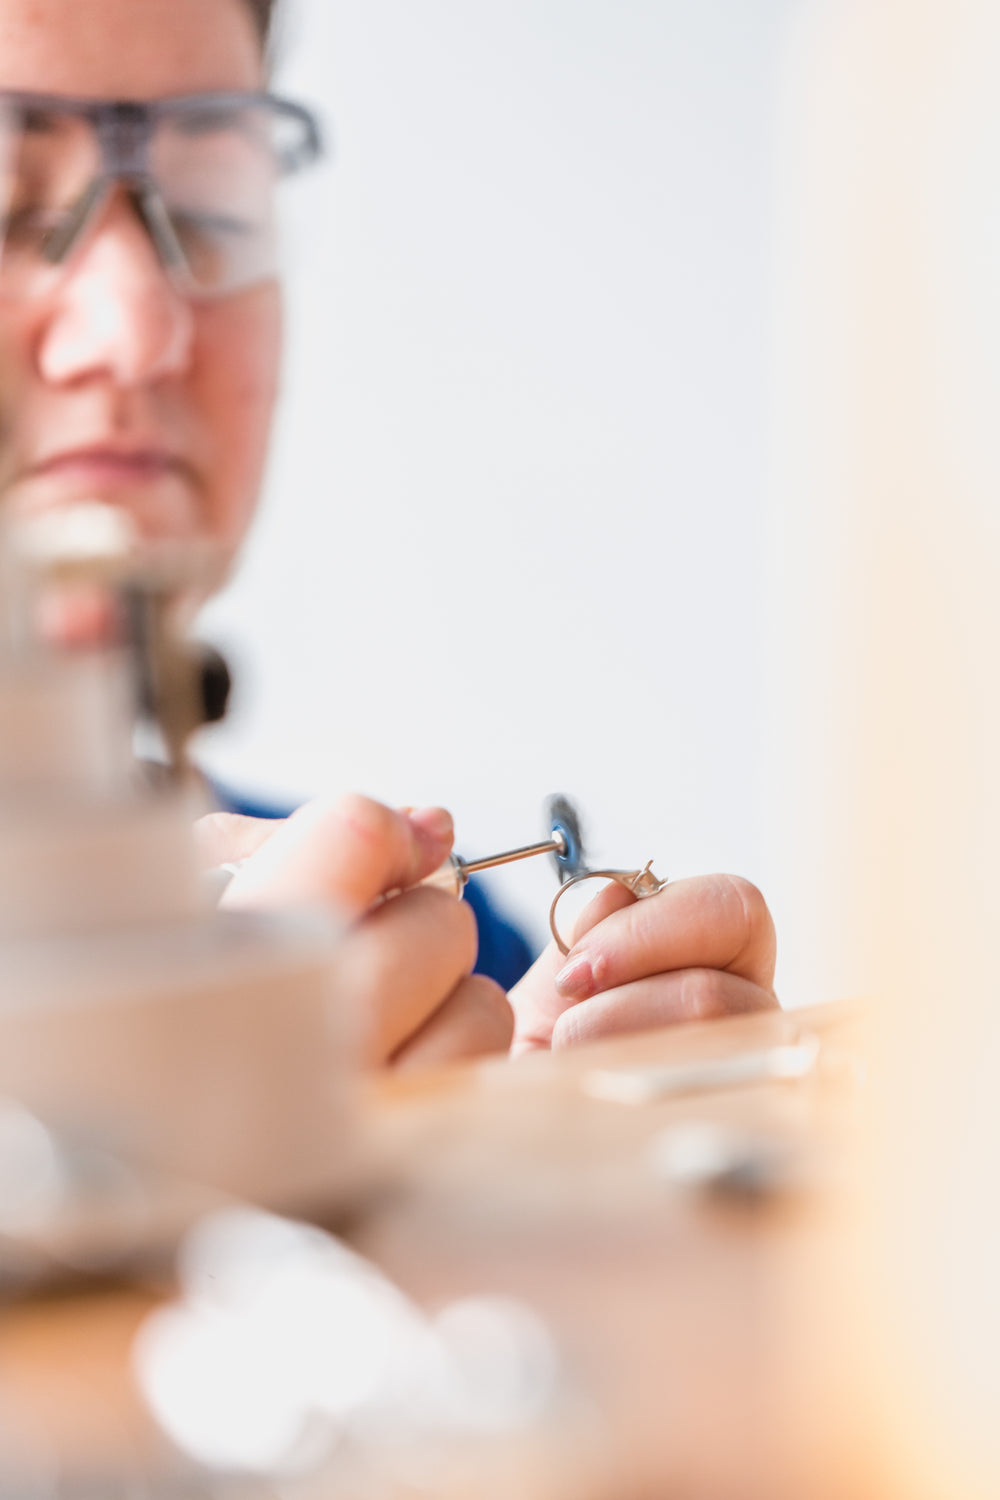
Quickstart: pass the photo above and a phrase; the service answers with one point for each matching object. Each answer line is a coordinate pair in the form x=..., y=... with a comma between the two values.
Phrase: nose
x=115, y=312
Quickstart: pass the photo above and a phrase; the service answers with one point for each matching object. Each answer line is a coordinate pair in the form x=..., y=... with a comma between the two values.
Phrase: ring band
x=641, y=883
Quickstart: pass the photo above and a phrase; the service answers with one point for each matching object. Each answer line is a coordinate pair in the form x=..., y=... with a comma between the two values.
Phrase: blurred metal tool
x=453, y=875
x=736, y=1165
x=785, y=1062
x=564, y=843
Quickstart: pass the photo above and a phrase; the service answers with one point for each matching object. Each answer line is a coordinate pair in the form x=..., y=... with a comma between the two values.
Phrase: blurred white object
x=285, y=1344
x=785, y=1062
x=89, y=531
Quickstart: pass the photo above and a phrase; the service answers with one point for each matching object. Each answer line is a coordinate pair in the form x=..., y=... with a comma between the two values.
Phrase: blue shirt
x=504, y=954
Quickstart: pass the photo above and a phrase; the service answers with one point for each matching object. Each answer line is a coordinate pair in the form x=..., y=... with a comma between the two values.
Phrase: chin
x=165, y=510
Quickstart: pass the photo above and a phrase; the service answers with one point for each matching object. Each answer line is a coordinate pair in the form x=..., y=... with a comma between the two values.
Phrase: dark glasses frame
x=124, y=130
x=124, y=127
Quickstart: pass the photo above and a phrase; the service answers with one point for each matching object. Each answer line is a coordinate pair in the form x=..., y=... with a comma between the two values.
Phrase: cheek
x=236, y=375
x=18, y=393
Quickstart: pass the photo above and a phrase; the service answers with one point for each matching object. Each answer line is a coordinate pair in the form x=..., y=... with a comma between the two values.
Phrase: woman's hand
x=699, y=948
x=407, y=961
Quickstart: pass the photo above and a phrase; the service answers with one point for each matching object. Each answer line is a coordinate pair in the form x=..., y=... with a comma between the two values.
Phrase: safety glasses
x=200, y=172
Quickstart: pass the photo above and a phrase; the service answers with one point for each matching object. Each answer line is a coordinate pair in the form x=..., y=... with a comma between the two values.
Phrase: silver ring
x=641, y=883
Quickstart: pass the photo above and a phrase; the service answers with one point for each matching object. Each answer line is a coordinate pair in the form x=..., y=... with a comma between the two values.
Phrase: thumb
x=347, y=853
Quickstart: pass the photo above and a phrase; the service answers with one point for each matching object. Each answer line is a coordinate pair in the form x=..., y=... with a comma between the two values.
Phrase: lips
x=161, y=491
x=107, y=464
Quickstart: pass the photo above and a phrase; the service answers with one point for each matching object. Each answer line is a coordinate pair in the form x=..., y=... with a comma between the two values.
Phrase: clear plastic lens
x=207, y=197
x=47, y=165
x=217, y=177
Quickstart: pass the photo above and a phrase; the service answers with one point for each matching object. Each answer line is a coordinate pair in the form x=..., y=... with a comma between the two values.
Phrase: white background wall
x=512, y=539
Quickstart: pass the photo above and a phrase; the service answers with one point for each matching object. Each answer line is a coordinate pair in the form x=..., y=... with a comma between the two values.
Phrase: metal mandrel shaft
x=556, y=845
x=454, y=873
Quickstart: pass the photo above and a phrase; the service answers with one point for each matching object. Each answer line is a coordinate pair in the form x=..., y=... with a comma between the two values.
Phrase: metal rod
x=555, y=845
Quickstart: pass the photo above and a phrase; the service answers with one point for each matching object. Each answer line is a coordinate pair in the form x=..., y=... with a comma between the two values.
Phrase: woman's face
x=113, y=384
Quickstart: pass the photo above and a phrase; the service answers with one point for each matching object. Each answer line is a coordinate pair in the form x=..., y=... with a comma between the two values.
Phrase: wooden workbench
x=697, y=1319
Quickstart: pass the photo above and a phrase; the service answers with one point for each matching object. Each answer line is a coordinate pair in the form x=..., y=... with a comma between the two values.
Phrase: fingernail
x=433, y=822
x=575, y=981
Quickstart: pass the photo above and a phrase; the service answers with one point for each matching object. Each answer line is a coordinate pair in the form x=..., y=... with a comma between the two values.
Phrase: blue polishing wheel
x=564, y=822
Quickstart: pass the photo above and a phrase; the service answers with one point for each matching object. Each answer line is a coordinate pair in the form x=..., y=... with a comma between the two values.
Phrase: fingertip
x=577, y=980
x=432, y=824
x=761, y=941
x=371, y=845
x=345, y=850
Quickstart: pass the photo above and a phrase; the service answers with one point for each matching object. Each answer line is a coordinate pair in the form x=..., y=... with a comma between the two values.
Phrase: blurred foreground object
x=287, y=1355
x=552, y=1293
x=887, y=587
x=153, y=1052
